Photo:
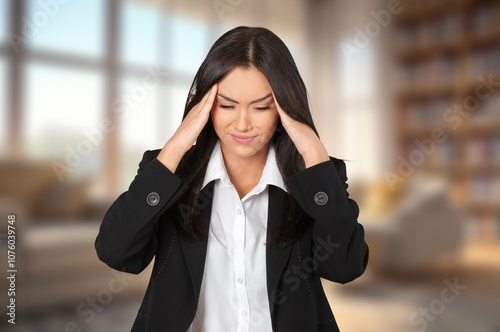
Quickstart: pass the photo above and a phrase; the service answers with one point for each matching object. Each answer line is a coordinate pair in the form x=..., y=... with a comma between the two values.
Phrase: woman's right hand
x=188, y=131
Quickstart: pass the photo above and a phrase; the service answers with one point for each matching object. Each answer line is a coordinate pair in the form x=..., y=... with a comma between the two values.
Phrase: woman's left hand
x=305, y=139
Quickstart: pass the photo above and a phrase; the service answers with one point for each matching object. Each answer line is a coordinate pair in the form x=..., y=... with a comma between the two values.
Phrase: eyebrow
x=252, y=102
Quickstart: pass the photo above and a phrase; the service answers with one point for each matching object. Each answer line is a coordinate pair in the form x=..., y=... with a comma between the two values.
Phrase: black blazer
x=137, y=227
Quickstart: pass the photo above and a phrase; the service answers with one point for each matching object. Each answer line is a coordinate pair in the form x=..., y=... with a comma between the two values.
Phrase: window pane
x=3, y=21
x=148, y=122
x=61, y=106
x=141, y=34
x=137, y=125
x=189, y=45
x=76, y=27
x=3, y=108
x=358, y=75
x=360, y=136
x=177, y=94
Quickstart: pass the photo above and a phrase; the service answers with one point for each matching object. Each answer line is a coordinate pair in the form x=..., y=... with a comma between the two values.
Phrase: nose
x=243, y=121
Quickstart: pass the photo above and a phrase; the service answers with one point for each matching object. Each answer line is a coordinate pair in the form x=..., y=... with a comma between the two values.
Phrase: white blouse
x=233, y=294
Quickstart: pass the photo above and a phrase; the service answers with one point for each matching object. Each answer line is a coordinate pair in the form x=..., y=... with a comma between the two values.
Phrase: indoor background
x=407, y=92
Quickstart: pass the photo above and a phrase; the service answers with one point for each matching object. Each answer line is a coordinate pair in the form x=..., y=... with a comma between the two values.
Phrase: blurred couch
x=422, y=230
x=56, y=225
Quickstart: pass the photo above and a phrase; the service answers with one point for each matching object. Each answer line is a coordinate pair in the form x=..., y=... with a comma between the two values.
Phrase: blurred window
x=138, y=125
x=3, y=77
x=357, y=97
x=76, y=27
x=138, y=121
x=148, y=119
x=177, y=94
x=3, y=108
x=62, y=104
x=188, y=45
x=155, y=40
x=140, y=29
x=358, y=77
x=3, y=21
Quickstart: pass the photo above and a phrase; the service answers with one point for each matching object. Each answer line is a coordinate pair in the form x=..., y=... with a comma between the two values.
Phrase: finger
x=209, y=98
x=202, y=101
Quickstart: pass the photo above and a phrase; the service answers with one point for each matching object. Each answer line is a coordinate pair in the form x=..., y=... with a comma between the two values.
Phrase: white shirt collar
x=270, y=175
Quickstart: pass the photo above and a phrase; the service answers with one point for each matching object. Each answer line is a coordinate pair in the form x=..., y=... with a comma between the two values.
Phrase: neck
x=245, y=173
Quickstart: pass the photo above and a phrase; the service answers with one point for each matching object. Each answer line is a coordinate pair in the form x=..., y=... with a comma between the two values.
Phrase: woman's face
x=244, y=114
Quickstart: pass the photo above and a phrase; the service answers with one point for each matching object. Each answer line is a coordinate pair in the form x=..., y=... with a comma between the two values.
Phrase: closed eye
x=226, y=106
x=263, y=108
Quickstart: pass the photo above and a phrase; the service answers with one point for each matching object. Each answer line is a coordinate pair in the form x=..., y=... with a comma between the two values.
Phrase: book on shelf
x=485, y=190
x=443, y=48
x=486, y=18
x=495, y=150
x=477, y=151
x=439, y=69
x=425, y=113
x=484, y=61
x=488, y=111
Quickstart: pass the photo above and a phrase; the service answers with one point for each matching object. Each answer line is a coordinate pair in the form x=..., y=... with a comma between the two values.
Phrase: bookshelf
x=445, y=51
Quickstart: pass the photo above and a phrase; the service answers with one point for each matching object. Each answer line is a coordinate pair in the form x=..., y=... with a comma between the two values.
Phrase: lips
x=243, y=139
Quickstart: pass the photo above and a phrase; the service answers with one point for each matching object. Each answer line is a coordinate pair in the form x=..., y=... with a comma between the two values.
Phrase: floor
x=388, y=307
x=380, y=307
x=370, y=304
x=114, y=318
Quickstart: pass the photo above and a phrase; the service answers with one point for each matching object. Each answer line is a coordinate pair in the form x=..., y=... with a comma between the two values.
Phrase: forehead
x=244, y=84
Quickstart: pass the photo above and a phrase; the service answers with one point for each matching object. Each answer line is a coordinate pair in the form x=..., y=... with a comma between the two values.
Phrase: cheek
x=269, y=122
x=218, y=119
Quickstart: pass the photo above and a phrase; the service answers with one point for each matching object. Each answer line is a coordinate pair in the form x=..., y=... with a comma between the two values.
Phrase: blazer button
x=321, y=198
x=153, y=199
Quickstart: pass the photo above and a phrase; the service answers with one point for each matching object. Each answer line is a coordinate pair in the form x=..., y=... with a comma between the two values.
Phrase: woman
x=242, y=209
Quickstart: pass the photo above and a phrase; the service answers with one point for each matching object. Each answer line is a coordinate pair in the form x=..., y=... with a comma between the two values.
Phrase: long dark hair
x=262, y=49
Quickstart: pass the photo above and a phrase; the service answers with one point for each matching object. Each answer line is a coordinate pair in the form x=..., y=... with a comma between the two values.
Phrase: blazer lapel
x=276, y=256
x=195, y=251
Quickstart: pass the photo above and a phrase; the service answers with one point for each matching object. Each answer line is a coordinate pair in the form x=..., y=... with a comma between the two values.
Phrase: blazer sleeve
x=127, y=239
x=339, y=247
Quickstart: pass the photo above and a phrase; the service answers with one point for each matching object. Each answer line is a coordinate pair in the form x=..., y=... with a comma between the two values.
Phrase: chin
x=244, y=151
